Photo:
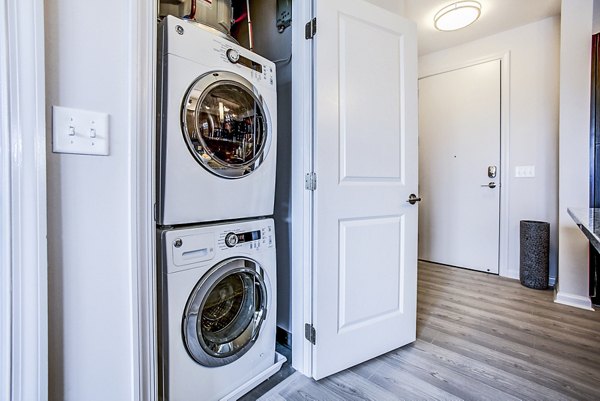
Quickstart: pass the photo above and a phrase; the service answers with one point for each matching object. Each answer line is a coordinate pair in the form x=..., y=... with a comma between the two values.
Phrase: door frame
x=23, y=250
x=301, y=199
x=143, y=43
x=504, y=58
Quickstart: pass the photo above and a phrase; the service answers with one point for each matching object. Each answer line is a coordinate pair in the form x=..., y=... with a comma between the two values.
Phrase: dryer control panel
x=261, y=72
x=254, y=239
x=201, y=45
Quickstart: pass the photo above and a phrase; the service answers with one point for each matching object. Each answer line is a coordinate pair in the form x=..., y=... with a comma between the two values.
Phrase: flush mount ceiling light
x=457, y=15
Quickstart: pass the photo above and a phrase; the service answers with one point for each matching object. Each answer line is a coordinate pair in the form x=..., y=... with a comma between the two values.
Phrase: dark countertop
x=588, y=220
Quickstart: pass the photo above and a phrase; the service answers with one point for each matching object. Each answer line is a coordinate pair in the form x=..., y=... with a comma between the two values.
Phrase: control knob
x=233, y=55
x=231, y=240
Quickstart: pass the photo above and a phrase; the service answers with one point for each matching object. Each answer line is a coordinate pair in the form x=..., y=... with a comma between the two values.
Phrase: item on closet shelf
x=216, y=14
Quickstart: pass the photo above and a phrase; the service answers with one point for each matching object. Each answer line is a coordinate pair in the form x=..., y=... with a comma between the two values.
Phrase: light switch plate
x=79, y=131
x=525, y=171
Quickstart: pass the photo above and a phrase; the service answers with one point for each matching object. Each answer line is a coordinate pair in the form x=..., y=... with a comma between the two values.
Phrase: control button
x=233, y=55
x=231, y=240
x=177, y=243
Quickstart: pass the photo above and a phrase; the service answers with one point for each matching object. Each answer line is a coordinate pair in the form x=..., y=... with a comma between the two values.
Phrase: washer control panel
x=255, y=239
x=189, y=249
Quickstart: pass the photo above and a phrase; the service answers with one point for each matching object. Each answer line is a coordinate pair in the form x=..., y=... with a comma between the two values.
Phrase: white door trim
x=302, y=163
x=23, y=260
x=5, y=243
x=503, y=265
x=142, y=92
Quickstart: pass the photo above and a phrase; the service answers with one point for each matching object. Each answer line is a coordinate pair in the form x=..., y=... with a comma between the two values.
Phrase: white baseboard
x=514, y=274
x=576, y=301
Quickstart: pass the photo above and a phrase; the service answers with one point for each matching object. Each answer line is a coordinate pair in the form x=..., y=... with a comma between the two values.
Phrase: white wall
x=395, y=6
x=596, y=21
x=89, y=206
x=574, y=142
x=534, y=77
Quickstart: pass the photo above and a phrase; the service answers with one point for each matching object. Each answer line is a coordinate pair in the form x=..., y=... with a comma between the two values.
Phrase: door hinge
x=310, y=181
x=310, y=29
x=310, y=333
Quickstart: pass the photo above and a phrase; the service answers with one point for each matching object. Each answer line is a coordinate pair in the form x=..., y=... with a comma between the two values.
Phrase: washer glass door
x=225, y=125
x=225, y=312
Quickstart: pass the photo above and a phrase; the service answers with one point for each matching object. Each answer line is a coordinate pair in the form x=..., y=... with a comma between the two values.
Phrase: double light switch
x=79, y=131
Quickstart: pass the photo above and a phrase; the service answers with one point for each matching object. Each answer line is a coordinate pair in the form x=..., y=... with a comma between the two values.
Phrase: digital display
x=250, y=64
x=249, y=236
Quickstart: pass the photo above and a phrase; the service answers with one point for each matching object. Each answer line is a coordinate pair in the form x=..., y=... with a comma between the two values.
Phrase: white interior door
x=365, y=231
x=459, y=139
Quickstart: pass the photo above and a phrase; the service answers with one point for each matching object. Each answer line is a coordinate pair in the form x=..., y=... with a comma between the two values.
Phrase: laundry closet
x=317, y=173
x=218, y=135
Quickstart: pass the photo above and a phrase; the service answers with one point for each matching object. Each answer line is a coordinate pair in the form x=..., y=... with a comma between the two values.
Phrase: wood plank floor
x=479, y=337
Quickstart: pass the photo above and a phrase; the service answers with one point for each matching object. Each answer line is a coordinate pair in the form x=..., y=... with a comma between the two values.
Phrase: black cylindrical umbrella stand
x=534, y=254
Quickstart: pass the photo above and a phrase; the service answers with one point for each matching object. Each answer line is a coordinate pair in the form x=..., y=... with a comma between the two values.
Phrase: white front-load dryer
x=217, y=308
x=217, y=127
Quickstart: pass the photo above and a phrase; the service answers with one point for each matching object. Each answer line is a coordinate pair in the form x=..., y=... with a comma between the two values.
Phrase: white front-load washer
x=217, y=127
x=217, y=308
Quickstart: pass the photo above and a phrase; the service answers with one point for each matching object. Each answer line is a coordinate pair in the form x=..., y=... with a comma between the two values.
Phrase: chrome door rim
x=237, y=347
x=204, y=84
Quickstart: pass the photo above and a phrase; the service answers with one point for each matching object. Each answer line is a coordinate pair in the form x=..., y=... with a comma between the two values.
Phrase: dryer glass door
x=225, y=312
x=225, y=125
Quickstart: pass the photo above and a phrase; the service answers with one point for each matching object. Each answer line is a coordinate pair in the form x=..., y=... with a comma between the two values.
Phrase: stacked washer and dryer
x=216, y=185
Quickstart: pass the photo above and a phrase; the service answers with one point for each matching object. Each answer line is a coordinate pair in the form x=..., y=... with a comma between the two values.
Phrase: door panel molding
x=504, y=57
x=351, y=264
x=356, y=154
